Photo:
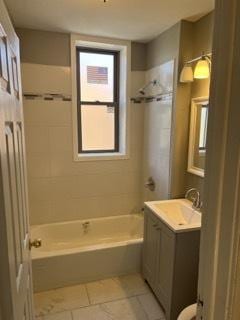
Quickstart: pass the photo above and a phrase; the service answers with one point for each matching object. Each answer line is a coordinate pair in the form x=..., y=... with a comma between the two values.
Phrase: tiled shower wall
x=157, y=134
x=59, y=188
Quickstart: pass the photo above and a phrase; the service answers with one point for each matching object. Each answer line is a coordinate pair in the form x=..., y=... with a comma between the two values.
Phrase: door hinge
x=200, y=304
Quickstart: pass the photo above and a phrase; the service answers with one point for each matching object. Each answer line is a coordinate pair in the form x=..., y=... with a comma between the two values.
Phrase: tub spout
x=85, y=226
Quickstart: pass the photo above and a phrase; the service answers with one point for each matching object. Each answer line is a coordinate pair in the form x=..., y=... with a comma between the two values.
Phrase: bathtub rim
x=139, y=214
x=41, y=254
x=64, y=252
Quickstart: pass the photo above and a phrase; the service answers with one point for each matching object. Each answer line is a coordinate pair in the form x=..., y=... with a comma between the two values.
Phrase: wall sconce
x=202, y=69
x=186, y=74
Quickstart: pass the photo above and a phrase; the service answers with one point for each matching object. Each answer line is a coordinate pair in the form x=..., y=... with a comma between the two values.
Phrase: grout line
x=95, y=304
x=108, y=301
x=101, y=306
x=141, y=306
x=88, y=295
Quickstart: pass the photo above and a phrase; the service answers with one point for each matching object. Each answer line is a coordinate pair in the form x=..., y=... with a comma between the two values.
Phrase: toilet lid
x=189, y=313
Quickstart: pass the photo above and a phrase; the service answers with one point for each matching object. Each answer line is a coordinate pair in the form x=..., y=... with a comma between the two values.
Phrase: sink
x=177, y=214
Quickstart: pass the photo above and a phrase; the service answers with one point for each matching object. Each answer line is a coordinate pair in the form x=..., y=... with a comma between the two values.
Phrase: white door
x=15, y=263
x=219, y=285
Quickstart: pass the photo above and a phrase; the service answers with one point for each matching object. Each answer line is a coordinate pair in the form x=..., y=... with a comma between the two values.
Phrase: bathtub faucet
x=85, y=226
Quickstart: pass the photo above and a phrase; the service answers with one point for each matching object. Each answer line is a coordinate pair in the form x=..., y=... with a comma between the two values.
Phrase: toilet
x=188, y=313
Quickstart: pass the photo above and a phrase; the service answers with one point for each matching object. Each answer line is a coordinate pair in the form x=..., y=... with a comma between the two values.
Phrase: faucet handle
x=150, y=184
x=195, y=198
x=189, y=191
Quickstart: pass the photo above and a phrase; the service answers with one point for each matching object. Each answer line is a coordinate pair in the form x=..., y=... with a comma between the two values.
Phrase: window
x=98, y=100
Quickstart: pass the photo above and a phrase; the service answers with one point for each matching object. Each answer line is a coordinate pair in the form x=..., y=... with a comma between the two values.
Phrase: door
x=15, y=266
x=219, y=274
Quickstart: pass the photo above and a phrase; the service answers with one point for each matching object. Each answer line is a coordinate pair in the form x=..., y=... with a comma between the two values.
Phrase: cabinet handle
x=155, y=225
x=158, y=228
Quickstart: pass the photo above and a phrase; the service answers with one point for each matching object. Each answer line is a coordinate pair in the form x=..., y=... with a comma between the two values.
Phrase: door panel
x=165, y=265
x=4, y=68
x=15, y=267
x=151, y=235
x=14, y=70
x=15, y=218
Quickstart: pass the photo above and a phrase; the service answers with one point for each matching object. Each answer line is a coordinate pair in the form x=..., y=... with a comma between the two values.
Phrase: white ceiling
x=138, y=20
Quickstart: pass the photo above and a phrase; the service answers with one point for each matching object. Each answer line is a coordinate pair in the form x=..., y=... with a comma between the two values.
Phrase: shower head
x=143, y=89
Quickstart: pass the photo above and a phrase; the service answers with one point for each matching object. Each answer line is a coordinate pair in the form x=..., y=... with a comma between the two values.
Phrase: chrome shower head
x=153, y=83
x=141, y=91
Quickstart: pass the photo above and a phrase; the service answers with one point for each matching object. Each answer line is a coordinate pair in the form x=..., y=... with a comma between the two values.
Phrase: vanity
x=171, y=253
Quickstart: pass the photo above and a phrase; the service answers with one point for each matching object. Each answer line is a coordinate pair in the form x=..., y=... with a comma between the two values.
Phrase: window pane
x=96, y=77
x=98, y=128
x=203, y=128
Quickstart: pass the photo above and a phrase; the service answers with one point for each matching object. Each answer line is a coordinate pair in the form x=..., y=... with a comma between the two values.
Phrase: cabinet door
x=165, y=265
x=150, y=245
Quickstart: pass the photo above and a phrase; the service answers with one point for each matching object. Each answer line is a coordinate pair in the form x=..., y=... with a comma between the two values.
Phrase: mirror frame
x=192, y=133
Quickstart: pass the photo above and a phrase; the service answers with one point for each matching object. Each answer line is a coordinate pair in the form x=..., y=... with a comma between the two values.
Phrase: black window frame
x=114, y=104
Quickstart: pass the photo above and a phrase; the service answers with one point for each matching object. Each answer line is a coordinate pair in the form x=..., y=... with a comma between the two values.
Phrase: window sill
x=101, y=156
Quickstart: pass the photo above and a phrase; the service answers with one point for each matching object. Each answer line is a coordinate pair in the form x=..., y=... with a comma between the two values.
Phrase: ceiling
x=138, y=20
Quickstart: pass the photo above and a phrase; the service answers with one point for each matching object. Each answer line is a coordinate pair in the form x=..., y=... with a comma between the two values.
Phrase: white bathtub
x=108, y=247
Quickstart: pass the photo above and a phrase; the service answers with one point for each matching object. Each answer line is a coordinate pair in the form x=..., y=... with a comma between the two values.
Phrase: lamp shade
x=186, y=74
x=202, y=69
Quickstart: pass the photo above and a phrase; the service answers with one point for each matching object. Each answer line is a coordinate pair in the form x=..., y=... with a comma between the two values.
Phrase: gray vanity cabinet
x=170, y=264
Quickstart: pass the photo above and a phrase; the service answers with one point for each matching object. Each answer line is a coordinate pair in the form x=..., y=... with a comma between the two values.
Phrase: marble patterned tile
x=127, y=309
x=151, y=307
x=91, y=313
x=132, y=284
x=104, y=291
x=59, y=316
x=116, y=288
x=59, y=300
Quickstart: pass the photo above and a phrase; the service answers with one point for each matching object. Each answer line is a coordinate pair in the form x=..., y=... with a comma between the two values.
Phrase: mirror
x=198, y=136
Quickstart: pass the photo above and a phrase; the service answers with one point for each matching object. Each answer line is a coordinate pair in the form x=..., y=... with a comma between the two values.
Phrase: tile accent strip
x=47, y=96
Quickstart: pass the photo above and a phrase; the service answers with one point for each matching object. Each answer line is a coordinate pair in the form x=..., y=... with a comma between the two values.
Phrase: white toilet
x=188, y=313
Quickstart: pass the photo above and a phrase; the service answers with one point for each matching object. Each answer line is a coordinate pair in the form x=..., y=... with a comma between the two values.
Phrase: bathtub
x=86, y=250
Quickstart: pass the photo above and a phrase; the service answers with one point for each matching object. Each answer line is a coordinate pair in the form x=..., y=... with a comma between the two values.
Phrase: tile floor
x=120, y=298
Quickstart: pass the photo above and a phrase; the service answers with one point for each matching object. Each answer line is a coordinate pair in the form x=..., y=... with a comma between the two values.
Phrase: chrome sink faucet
x=194, y=196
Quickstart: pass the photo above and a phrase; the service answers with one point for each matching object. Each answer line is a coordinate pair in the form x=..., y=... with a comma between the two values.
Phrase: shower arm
x=153, y=83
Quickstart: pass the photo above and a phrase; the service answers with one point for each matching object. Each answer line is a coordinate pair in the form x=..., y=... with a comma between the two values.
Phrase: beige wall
x=53, y=48
x=202, y=42
x=181, y=116
x=194, y=39
x=164, y=48
x=139, y=53
x=43, y=47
